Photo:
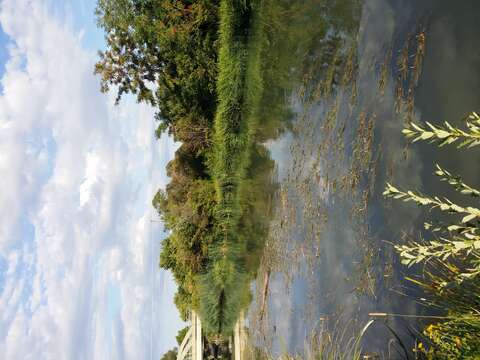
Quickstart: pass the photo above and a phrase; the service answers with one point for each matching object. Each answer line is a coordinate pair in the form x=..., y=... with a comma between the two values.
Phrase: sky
x=78, y=248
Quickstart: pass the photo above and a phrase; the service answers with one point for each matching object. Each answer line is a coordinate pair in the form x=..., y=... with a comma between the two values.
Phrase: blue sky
x=3, y=50
x=78, y=250
x=80, y=13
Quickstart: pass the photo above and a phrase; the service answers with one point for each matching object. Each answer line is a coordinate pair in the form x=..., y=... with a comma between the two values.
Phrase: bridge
x=191, y=347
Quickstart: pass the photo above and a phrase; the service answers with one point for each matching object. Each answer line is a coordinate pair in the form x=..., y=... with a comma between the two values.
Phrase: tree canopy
x=164, y=53
x=170, y=355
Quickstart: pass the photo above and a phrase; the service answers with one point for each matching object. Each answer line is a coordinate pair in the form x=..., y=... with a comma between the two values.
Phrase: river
x=354, y=74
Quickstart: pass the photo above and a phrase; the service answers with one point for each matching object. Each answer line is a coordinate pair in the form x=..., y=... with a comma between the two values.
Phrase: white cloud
x=77, y=178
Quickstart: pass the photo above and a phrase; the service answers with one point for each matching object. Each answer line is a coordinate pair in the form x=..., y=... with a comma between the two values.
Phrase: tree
x=164, y=52
x=181, y=335
x=170, y=355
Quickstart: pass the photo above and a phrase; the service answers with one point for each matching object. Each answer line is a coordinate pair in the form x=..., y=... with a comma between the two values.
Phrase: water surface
x=352, y=75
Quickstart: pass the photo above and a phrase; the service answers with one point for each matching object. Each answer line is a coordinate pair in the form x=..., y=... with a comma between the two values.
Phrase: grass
x=326, y=343
x=224, y=288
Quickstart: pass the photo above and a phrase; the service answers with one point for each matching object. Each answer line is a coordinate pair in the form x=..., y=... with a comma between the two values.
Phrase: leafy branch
x=443, y=249
x=468, y=229
x=447, y=134
x=452, y=258
x=470, y=213
x=457, y=182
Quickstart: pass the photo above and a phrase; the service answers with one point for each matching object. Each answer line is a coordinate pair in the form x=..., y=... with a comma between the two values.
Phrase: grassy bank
x=224, y=287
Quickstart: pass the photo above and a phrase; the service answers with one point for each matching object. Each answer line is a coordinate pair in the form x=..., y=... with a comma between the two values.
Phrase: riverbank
x=224, y=289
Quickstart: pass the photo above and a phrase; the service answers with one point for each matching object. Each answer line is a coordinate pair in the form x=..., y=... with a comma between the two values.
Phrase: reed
x=224, y=288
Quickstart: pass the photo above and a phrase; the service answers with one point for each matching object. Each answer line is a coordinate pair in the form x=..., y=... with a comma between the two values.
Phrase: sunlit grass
x=224, y=288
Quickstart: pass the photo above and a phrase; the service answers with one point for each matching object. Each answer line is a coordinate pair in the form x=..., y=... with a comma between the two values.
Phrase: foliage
x=458, y=338
x=447, y=134
x=181, y=335
x=462, y=240
x=186, y=208
x=216, y=237
x=200, y=65
x=170, y=355
x=451, y=261
x=225, y=289
x=164, y=53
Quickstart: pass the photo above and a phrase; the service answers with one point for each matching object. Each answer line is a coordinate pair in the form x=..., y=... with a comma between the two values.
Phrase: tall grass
x=451, y=260
x=224, y=287
x=338, y=342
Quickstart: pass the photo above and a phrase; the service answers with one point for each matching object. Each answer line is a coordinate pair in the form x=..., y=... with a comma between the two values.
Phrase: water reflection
x=345, y=78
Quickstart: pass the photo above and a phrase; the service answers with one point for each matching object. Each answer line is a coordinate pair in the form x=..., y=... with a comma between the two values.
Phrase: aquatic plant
x=330, y=344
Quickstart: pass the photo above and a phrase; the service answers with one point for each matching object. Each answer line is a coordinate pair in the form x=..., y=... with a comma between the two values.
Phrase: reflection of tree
x=309, y=38
x=256, y=192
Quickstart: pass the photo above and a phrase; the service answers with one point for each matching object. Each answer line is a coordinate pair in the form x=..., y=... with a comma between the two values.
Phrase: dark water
x=355, y=74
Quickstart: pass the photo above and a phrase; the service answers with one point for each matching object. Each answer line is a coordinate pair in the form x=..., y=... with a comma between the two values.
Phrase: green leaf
x=468, y=218
x=442, y=134
x=444, y=207
x=460, y=245
x=416, y=127
x=453, y=227
x=426, y=135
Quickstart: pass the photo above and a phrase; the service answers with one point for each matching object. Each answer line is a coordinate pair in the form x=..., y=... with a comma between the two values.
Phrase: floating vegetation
x=402, y=60
x=418, y=59
x=384, y=73
x=409, y=68
x=333, y=158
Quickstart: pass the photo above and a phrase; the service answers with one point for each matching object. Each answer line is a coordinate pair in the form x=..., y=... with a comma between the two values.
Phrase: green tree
x=181, y=335
x=164, y=52
x=170, y=355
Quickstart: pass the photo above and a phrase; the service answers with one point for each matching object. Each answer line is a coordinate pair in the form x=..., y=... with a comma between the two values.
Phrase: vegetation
x=164, y=52
x=326, y=343
x=198, y=62
x=170, y=355
x=203, y=65
x=186, y=208
x=217, y=202
x=224, y=285
x=451, y=261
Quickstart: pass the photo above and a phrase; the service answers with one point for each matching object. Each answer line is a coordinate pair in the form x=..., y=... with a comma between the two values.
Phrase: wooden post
x=199, y=340
x=238, y=338
x=194, y=335
x=193, y=341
